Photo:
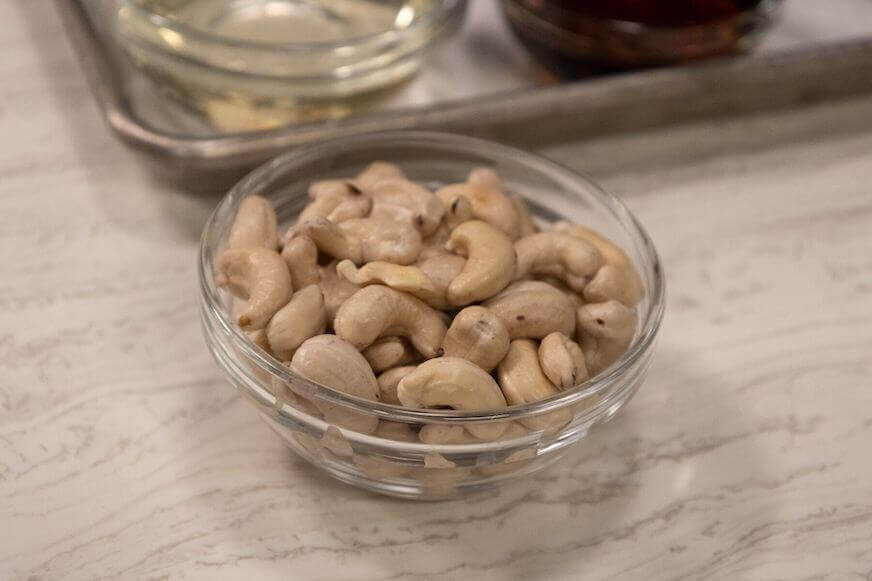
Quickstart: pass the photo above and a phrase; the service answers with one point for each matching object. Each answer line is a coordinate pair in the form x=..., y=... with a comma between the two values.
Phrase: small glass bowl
x=392, y=460
x=571, y=42
x=256, y=64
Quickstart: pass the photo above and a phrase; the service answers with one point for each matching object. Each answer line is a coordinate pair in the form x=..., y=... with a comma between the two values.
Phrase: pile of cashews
x=453, y=299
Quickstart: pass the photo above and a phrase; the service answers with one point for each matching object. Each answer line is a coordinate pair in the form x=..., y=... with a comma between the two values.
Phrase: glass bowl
x=255, y=64
x=588, y=37
x=393, y=460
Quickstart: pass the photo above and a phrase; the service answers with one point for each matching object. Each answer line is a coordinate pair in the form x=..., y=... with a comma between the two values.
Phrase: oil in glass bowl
x=254, y=64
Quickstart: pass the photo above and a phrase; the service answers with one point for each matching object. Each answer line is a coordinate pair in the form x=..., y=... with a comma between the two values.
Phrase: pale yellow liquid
x=292, y=21
x=265, y=100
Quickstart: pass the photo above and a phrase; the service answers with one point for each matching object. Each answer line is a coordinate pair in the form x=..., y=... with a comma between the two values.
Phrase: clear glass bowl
x=392, y=460
x=254, y=64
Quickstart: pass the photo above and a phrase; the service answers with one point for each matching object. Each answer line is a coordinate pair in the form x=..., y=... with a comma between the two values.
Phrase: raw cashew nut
x=577, y=300
x=488, y=204
x=477, y=335
x=301, y=256
x=332, y=362
x=490, y=264
x=458, y=384
x=255, y=225
x=485, y=177
x=434, y=244
x=376, y=172
x=390, y=352
x=365, y=239
x=326, y=196
x=396, y=431
x=533, y=309
x=303, y=317
x=353, y=207
x=258, y=337
x=526, y=224
x=441, y=269
x=389, y=380
x=408, y=279
x=336, y=290
x=329, y=189
x=557, y=254
x=375, y=311
x=259, y=275
x=617, y=279
x=562, y=361
x=605, y=330
x=399, y=199
x=457, y=211
x=520, y=375
x=522, y=381
x=447, y=434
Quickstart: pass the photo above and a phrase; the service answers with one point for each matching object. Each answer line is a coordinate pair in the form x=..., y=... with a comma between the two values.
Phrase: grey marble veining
x=124, y=454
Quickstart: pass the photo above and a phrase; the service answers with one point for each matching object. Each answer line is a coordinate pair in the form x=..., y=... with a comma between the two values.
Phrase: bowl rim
x=435, y=17
x=212, y=308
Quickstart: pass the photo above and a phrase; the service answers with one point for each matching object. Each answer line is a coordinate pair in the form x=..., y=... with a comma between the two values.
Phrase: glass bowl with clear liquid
x=255, y=64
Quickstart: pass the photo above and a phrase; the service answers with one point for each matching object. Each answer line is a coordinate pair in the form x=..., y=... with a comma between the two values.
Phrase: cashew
x=258, y=337
x=477, y=335
x=458, y=384
x=376, y=172
x=434, y=244
x=389, y=380
x=255, y=225
x=326, y=196
x=259, y=275
x=522, y=381
x=301, y=256
x=375, y=311
x=618, y=279
x=353, y=207
x=485, y=177
x=457, y=211
x=562, y=361
x=403, y=200
x=409, y=279
x=330, y=361
x=490, y=264
x=557, y=254
x=364, y=239
x=285, y=395
x=390, y=352
x=303, y=317
x=447, y=434
x=526, y=224
x=329, y=189
x=605, y=330
x=396, y=431
x=336, y=290
x=533, y=309
x=577, y=300
x=489, y=205
x=441, y=269
x=520, y=375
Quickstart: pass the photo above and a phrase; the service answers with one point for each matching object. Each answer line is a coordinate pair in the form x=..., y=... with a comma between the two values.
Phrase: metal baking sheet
x=516, y=102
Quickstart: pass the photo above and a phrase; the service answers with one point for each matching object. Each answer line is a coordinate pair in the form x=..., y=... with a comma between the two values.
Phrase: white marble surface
x=125, y=455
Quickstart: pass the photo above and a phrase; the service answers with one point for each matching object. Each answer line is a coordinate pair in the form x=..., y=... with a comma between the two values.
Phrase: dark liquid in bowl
x=666, y=13
x=588, y=36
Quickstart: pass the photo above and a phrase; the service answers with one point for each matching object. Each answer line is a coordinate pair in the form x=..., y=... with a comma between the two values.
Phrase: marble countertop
x=125, y=455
